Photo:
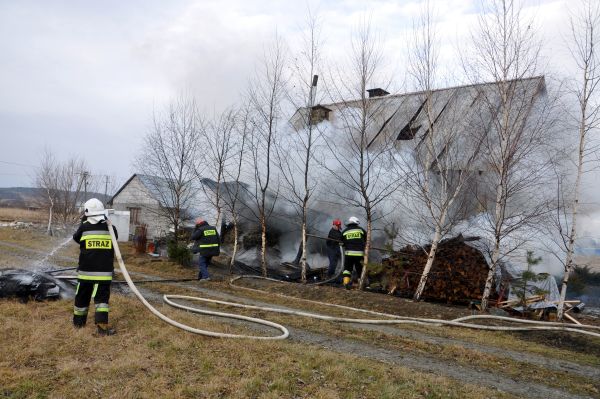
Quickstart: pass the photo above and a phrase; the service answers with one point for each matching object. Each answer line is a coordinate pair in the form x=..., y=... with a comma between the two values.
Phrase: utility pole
x=105, y=186
x=85, y=176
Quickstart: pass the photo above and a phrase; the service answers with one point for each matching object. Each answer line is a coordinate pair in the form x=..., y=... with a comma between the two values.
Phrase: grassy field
x=23, y=215
x=41, y=355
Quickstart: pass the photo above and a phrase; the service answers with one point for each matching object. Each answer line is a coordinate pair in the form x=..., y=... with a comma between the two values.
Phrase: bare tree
x=69, y=190
x=62, y=184
x=46, y=178
x=233, y=189
x=217, y=135
x=296, y=152
x=168, y=159
x=516, y=123
x=266, y=95
x=584, y=51
x=359, y=151
x=439, y=167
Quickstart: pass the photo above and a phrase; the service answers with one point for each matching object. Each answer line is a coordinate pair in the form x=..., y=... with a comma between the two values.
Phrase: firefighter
x=354, y=241
x=333, y=246
x=207, y=245
x=95, y=271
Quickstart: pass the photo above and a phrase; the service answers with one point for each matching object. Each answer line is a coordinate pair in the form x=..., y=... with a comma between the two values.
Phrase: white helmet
x=93, y=207
x=353, y=220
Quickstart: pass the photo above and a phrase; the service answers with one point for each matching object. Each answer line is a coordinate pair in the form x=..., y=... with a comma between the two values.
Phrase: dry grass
x=43, y=356
x=514, y=369
x=23, y=215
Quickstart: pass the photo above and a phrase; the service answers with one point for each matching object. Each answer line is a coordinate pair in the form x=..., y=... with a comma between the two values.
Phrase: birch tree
x=584, y=52
x=62, y=183
x=46, y=178
x=516, y=122
x=234, y=188
x=218, y=147
x=440, y=168
x=266, y=95
x=296, y=154
x=361, y=159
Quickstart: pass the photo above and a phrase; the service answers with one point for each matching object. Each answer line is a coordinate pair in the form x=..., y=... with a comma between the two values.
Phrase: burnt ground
x=15, y=255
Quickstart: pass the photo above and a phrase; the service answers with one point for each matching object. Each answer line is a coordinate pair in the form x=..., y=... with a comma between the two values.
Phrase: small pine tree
x=522, y=284
x=391, y=232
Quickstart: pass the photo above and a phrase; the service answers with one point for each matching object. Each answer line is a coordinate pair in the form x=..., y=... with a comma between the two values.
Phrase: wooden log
x=569, y=317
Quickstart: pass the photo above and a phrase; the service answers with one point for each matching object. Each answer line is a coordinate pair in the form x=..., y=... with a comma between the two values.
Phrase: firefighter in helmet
x=207, y=245
x=354, y=241
x=95, y=271
x=334, y=239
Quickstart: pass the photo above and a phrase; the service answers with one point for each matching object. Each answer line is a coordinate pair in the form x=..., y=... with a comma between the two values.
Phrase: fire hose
x=153, y=310
x=391, y=319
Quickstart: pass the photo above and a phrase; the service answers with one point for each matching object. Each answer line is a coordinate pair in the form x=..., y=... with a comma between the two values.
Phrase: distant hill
x=28, y=197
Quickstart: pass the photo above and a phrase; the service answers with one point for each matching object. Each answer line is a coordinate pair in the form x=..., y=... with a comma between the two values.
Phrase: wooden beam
x=568, y=316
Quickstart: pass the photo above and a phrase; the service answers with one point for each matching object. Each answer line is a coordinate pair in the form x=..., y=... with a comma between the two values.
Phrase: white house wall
x=136, y=195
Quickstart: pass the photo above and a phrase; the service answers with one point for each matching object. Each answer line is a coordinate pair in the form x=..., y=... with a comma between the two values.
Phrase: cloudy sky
x=83, y=77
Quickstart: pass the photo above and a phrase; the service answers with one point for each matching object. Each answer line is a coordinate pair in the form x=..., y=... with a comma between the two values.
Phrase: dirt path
x=433, y=365
x=541, y=361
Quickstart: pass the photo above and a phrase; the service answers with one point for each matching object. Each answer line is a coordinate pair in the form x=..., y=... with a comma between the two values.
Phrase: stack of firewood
x=458, y=273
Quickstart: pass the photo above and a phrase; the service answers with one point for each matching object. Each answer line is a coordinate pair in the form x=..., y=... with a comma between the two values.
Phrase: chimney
x=378, y=92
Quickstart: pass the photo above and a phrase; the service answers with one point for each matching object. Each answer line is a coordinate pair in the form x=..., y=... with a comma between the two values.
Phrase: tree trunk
x=235, y=245
x=490, y=277
x=575, y=210
x=50, y=210
x=303, y=259
x=363, y=275
x=499, y=218
x=263, y=249
x=218, y=221
x=430, y=259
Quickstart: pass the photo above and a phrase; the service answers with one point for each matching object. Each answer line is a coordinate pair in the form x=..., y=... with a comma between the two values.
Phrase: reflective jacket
x=354, y=239
x=207, y=240
x=96, y=253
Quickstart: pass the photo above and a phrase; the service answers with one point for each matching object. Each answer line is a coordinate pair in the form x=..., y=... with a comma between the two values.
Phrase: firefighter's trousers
x=87, y=289
x=353, y=262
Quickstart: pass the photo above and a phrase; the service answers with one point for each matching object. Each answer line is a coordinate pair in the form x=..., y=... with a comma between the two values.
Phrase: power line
x=18, y=164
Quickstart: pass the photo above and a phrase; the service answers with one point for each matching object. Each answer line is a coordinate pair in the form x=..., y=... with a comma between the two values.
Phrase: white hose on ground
x=393, y=319
x=284, y=335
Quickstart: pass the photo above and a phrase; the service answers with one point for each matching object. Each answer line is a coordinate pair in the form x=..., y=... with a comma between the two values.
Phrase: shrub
x=179, y=253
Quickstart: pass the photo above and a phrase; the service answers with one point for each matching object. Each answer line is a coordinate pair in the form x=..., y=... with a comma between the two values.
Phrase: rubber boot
x=105, y=329
x=347, y=281
x=79, y=321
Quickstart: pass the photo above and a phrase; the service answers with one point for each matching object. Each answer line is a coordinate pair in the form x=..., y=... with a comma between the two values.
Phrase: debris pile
x=457, y=276
x=25, y=285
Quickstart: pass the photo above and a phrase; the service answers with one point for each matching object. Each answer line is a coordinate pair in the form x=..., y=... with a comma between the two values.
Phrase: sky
x=84, y=77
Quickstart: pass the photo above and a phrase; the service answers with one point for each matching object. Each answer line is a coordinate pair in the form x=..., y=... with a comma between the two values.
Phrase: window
x=408, y=132
x=134, y=215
